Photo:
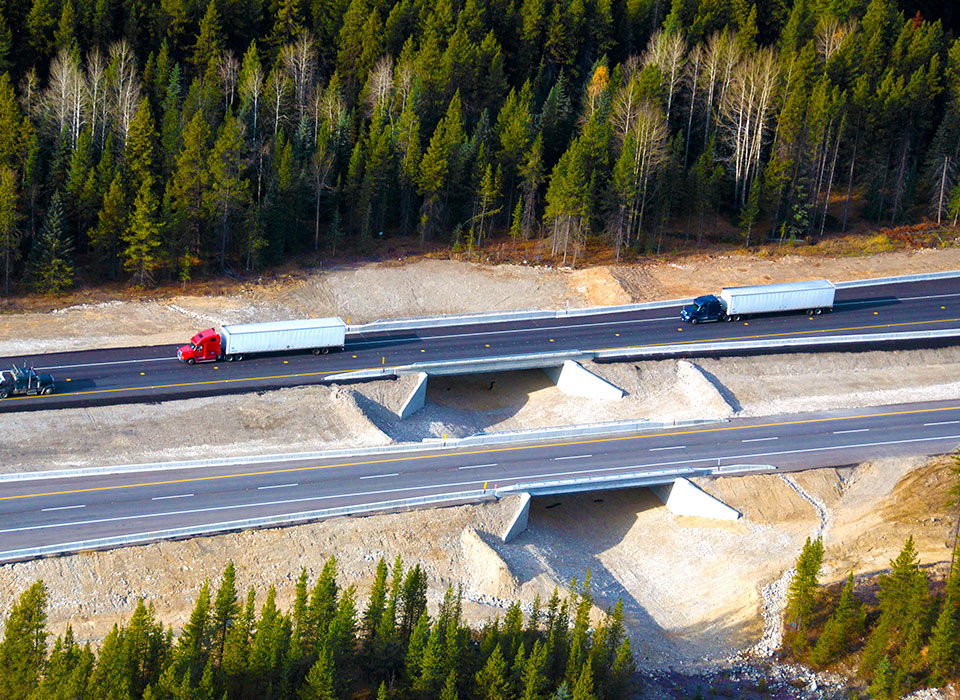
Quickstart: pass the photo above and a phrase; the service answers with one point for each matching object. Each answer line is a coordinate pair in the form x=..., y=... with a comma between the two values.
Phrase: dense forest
x=904, y=634
x=324, y=649
x=146, y=141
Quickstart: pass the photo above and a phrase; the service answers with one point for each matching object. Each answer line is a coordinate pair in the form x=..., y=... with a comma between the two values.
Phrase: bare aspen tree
x=30, y=93
x=321, y=165
x=745, y=111
x=945, y=169
x=97, y=94
x=643, y=147
x=124, y=87
x=65, y=96
x=625, y=105
x=277, y=93
x=667, y=52
x=228, y=70
x=251, y=93
x=404, y=79
x=379, y=88
x=713, y=64
x=830, y=35
x=300, y=63
x=692, y=79
x=833, y=167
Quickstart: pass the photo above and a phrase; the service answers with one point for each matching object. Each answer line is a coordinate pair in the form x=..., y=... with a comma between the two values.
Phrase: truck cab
x=203, y=347
x=24, y=381
x=703, y=309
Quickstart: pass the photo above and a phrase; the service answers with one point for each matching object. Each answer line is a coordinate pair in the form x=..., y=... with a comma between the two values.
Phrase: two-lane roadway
x=65, y=511
x=118, y=375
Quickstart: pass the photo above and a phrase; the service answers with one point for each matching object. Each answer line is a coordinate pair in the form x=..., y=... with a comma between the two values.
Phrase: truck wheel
x=191, y=361
x=238, y=357
x=728, y=319
x=47, y=391
x=4, y=393
x=316, y=351
x=326, y=351
x=818, y=312
x=694, y=321
x=229, y=358
x=736, y=318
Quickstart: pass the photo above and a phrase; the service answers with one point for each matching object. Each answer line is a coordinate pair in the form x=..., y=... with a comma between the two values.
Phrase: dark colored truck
x=24, y=381
x=734, y=303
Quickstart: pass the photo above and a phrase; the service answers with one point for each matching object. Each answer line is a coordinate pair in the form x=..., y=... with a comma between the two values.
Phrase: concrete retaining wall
x=572, y=379
x=519, y=522
x=416, y=399
x=682, y=497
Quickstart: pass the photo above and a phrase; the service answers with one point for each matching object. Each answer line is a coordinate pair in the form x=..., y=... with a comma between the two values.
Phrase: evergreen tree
x=800, y=596
x=492, y=683
x=24, y=646
x=9, y=224
x=111, y=225
x=142, y=237
x=839, y=628
x=50, y=268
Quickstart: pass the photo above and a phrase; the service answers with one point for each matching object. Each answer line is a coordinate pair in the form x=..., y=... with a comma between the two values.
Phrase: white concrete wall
x=519, y=522
x=417, y=397
x=683, y=497
x=573, y=380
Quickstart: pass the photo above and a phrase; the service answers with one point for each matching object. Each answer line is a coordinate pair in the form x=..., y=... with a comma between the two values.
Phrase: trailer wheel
x=238, y=357
x=316, y=351
x=190, y=361
x=325, y=351
x=736, y=318
x=818, y=312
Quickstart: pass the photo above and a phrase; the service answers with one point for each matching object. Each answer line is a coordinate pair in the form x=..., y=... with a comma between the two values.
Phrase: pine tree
x=377, y=603
x=839, y=628
x=140, y=149
x=944, y=649
x=187, y=189
x=228, y=189
x=491, y=680
x=800, y=596
x=319, y=684
x=449, y=691
x=142, y=237
x=50, y=268
x=9, y=223
x=24, y=646
x=111, y=225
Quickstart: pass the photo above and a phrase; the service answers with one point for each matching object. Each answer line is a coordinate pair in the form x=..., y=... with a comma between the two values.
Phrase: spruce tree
x=944, y=649
x=492, y=683
x=9, y=223
x=50, y=268
x=142, y=237
x=839, y=628
x=24, y=646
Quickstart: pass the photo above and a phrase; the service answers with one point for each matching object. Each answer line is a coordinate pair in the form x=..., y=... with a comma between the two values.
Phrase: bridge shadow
x=457, y=405
x=866, y=303
x=569, y=534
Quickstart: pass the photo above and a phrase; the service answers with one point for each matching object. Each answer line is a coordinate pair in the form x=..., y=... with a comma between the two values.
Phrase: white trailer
x=317, y=334
x=814, y=297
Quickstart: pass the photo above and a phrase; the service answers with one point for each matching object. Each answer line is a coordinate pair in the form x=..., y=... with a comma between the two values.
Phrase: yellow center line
x=780, y=335
x=516, y=448
x=365, y=369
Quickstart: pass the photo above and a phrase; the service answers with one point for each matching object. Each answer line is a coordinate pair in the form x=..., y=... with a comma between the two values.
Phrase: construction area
x=695, y=591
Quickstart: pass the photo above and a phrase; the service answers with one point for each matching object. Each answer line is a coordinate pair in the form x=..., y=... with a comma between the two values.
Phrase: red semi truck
x=235, y=341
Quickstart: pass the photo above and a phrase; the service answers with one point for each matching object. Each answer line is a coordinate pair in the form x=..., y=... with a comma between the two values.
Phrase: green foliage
x=24, y=646
x=268, y=126
x=800, y=596
x=50, y=268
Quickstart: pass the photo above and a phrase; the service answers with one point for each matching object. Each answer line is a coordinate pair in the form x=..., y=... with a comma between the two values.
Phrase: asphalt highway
x=61, y=511
x=146, y=374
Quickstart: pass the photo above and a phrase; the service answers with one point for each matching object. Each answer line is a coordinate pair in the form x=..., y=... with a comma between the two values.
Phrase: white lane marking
x=112, y=362
x=47, y=510
x=880, y=300
x=521, y=477
x=943, y=422
x=380, y=476
x=855, y=430
x=275, y=486
x=759, y=439
x=660, y=449
x=166, y=498
x=572, y=457
x=477, y=466
x=528, y=329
